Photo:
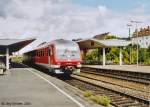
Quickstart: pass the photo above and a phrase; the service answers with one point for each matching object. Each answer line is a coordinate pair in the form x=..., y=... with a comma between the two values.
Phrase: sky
x=47, y=20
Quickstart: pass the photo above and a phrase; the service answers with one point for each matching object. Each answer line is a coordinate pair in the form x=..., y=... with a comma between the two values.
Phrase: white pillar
x=104, y=57
x=120, y=56
x=7, y=58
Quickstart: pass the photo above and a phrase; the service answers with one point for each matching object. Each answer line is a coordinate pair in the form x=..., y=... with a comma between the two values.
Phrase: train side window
x=39, y=54
x=43, y=53
x=36, y=53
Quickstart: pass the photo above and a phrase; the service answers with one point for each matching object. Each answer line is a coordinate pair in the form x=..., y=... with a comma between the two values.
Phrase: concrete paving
x=23, y=87
x=132, y=68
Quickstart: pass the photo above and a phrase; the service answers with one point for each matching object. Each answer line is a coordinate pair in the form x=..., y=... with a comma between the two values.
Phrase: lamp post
x=137, y=50
x=129, y=26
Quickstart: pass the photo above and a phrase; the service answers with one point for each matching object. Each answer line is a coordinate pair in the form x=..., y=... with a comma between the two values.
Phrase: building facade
x=142, y=37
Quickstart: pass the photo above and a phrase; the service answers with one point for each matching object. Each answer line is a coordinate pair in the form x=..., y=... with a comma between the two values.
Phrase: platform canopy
x=14, y=44
x=7, y=46
x=95, y=43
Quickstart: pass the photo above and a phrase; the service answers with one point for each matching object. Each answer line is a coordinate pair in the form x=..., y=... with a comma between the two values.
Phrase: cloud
x=52, y=19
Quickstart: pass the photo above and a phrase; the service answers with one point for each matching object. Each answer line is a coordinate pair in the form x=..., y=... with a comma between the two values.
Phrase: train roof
x=54, y=42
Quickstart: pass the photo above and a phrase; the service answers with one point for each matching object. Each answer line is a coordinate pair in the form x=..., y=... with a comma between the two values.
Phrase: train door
x=49, y=55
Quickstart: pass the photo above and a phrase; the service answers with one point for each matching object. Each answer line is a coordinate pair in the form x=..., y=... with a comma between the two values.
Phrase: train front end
x=68, y=57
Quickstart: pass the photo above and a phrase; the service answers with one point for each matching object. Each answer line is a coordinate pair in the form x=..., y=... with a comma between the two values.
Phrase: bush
x=17, y=59
x=148, y=61
x=103, y=100
x=88, y=94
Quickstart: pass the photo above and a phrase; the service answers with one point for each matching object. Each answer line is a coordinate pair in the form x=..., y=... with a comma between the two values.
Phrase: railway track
x=117, y=97
x=137, y=87
x=143, y=78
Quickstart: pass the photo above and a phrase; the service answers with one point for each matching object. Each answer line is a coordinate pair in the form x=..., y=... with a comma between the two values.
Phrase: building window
x=140, y=40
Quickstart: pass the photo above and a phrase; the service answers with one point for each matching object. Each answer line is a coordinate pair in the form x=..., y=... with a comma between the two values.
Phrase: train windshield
x=67, y=51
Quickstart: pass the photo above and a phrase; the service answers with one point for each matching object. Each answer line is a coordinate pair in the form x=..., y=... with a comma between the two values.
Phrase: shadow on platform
x=18, y=65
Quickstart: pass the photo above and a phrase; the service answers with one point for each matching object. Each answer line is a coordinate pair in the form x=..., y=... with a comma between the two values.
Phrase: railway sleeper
x=105, y=93
x=109, y=94
x=135, y=104
x=127, y=101
x=118, y=99
x=115, y=97
x=101, y=93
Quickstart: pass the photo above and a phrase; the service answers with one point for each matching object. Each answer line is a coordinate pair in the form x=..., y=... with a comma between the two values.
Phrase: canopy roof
x=14, y=44
x=95, y=43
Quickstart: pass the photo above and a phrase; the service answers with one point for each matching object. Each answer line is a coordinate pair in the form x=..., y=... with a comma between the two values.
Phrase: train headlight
x=55, y=66
x=79, y=66
x=79, y=63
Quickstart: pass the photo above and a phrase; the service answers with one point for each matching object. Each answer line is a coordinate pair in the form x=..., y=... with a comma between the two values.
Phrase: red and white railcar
x=58, y=56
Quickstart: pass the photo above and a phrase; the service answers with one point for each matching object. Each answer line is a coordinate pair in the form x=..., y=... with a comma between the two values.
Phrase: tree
x=126, y=58
x=143, y=55
x=111, y=37
x=113, y=55
x=148, y=55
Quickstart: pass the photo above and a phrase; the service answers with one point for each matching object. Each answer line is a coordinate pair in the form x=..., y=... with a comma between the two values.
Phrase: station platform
x=129, y=68
x=27, y=87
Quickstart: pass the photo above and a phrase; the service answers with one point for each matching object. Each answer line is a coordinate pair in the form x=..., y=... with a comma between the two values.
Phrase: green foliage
x=103, y=100
x=111, y=37
x=17, y=59
x=87, y=93
x=142, y=55
x=126, y=56
x=93, y=55
x=113, y=55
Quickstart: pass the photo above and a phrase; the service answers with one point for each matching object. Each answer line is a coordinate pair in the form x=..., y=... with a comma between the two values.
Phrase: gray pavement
x=24, y=89
x=21, y=87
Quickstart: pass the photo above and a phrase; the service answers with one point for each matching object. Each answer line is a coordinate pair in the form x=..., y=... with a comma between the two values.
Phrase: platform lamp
x=136, y=24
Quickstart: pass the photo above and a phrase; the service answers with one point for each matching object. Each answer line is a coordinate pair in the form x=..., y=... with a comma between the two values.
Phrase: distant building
x=101, y=36
x=143, y=38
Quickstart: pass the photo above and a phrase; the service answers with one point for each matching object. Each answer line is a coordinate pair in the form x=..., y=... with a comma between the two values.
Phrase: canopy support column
x=104, y=57
x=7, y=58
x=120, y=56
